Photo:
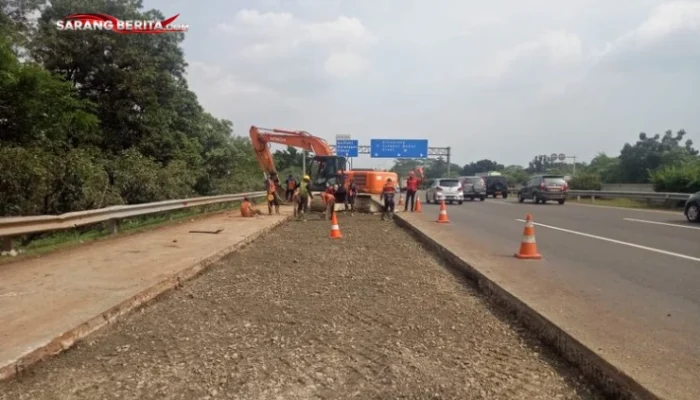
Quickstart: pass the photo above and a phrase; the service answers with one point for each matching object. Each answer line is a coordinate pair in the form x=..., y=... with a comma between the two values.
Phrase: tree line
x=92, y=119
x=669, y=162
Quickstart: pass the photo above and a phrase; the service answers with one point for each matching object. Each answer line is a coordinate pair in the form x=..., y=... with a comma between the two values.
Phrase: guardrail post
x=592, y=198
x=7, y=244
x=113, y=226
x=578, y=198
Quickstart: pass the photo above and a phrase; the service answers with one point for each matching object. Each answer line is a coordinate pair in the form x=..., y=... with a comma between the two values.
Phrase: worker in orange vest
x=247, y=210
x=272, y=196
x=329, y=200
x=411, y=190
x=388, y=193
x=350, y=196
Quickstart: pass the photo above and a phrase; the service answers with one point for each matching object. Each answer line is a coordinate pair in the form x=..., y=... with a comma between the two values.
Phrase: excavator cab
x=327, y=171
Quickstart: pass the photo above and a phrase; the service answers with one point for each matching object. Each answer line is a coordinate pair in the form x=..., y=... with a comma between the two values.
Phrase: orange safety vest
x=271, y=188
x=291, y=185
x=328, y=197
x=389, y=188
x=246, y=210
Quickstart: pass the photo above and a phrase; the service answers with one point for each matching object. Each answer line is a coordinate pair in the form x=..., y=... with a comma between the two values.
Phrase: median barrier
x=12, y=227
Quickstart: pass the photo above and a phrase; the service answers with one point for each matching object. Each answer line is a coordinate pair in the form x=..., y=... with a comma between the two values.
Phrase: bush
x=586, y=181
x=683, y=178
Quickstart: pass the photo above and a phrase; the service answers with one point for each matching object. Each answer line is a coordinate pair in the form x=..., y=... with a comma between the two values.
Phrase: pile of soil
x=300, y=316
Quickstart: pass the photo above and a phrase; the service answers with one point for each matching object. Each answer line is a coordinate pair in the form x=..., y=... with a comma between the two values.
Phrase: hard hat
x=411, y=173
x=307, y=178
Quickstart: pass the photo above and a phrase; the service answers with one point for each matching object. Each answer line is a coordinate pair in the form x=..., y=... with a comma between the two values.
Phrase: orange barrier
x=335, y=229
x=442, y=217
x=528, y=246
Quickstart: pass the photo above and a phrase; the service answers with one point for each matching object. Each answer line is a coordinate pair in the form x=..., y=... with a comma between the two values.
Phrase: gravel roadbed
x=300, y=316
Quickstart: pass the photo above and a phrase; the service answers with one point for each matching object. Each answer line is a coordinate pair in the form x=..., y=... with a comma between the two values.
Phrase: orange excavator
x=326, y=169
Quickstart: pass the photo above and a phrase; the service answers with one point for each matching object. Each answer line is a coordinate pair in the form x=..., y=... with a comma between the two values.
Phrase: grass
x=629, y=203
x=48, y=242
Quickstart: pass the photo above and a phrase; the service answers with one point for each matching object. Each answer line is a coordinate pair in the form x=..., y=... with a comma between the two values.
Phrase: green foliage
x=586, y=181
x=97, y=119
x=683, y=178
x=639, y=160
x=480, y=166
x=515, y=174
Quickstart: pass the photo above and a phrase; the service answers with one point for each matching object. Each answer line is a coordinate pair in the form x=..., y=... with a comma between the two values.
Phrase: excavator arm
x=261, y=138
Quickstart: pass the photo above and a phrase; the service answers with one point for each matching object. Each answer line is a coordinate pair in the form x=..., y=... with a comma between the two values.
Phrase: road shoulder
x=561, y=317
x=48, y=303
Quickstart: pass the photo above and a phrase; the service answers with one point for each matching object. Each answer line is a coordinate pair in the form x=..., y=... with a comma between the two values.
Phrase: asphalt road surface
x=300, y=316
x=643, y=265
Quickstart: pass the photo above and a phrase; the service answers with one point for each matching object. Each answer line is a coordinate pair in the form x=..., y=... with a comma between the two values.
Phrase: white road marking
x=661, y=223
x=636, y=246
x=575, y=203
x=501, y=202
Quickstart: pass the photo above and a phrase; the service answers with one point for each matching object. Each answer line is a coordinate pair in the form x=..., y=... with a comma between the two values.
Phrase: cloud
x=501, y=79
x=276, y=37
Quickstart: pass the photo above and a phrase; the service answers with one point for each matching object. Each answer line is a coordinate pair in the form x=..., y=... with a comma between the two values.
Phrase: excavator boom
x=327, y=169
x=262, y=137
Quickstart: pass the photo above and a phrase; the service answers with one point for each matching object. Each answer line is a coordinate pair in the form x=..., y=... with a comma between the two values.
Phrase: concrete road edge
x=611, y=380
x=72, y=336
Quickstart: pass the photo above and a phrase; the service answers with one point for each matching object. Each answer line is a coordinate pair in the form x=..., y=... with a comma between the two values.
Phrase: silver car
x=448, y=189
x=474, y=187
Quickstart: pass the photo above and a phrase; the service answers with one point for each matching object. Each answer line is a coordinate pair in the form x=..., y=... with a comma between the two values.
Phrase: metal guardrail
x=608, y=194
x=17, y=226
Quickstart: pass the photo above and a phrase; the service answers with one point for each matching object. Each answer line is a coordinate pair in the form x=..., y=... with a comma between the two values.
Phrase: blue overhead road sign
x=399, y=148
x=347, y=148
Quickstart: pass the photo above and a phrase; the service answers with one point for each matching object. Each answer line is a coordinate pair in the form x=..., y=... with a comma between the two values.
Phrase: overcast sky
x=498, y=79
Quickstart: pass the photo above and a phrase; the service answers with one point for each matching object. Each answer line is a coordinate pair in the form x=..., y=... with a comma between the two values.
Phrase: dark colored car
x=495, y=185
x=474, y=187
x=543, y=188
x=692, y=208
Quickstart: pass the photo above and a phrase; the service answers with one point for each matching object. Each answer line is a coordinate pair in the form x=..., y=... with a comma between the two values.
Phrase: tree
x=404, y=166
x=480, y=166
x=96, y=119
x=539, y=165
x=639, y=160
x=515, y=174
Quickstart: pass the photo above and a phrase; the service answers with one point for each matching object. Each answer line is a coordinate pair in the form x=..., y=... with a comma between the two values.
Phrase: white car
x=448, y=189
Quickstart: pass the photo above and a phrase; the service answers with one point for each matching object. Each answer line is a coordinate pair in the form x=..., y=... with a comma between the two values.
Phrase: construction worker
x=411, y=190
x=388, y=193
x=247, y=210
x=329, y=201
x=350, y=196
x=291, y=186
x=272, y=196
x=304, y=198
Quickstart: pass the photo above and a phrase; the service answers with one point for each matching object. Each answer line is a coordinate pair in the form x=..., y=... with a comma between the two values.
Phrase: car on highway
x=543, y=188
x=495, y=185
x=473, y=187
x=692, y=208
x=448, y=189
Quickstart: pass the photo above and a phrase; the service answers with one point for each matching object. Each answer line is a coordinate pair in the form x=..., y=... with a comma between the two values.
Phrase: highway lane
x=640, y=268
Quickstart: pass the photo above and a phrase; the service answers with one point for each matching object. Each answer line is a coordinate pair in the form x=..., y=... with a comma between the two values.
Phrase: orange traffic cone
x=335, y=229
x=442, y=217
x=528, y=247
x=400, y=199
x=418, y=208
